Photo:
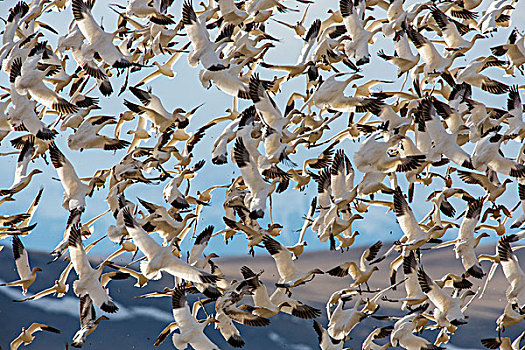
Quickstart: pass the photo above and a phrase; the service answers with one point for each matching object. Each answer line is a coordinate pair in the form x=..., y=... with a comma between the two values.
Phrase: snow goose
x=298, y=27
x=124, y=272
x=487, y=154
x=204, y=50
x=324, y=339
x=153, y=110
x=378, y=333
x=310, y=39
x=471, y=75
x=88, y=282
x=341, y=322
x=450, y=33
x=434, y=63
x=494, y=15
x=290, y=276
x=27, y=78
x=362, y=273
x=268, y=306
x=144, y=9
x=413, y=236
x=22, y=113
x=513, y=272
x=503, y=343
x=492, y=186
x=75, y=191
x=231, y=13
x=27, y=337
x=100, y=41
x=511, y=316
x=227, y=311
x=161, y=258
x=87, y=137
x=464, y=247
x=228, y=330
x=259, y=189
x=27, y=275
x=449, y=307
x=402, y=335
x=88, y=321
x=191, y=332
x=514, y=49
x=262, y=304
x=372, y=156
x=227, y=79
x=166, y=68
x=168, y=225
x=515, y=113
x=22, y=179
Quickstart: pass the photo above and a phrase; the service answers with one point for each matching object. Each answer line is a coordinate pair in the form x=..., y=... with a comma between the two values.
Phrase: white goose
x=204, y=50
x=100, y=41
x=88, y=282
x=22, y=179
x=191, y=332
x=324, y=339
x=464, y=247
x=27, y=275
x=450, y=33
x=27, y=78
x=487, y=155
x=153, y=110
x=75, y=191
x=268, y=306
x=161, y=258
x=87, y=137
x=434, y=63
x=341, y=322
x=513, y=272
x=144, y=9
x=360, y=273
x=88, y=321
x=290, y=276
x=27, y=337
x=449, y=307
x=259, y=189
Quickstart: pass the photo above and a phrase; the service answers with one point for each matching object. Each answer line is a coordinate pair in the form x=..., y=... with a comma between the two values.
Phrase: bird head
x=37, y=269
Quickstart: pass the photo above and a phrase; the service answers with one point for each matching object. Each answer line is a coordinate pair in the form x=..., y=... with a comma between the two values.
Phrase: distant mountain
x=139, y=321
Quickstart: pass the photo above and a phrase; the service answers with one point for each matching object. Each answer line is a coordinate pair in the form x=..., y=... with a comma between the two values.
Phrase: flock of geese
x=432, y=130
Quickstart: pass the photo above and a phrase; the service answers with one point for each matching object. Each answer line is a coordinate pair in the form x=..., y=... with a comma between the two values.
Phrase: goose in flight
x=27, y=337
x=87, y=137
x=27, y=78
x=512, y=271
x=75, y=191
x=191, y=332
x=447, y=306
x=22, y=179
x=144, y=9
x=290, y=276
x=324, y=339
x=88, y=282
x=27, y=275
x=88, y=321
x=161, y=258
x=265, y=306
x=360, y=273
x=204, y=50
x=503, y=343
x=100, y=42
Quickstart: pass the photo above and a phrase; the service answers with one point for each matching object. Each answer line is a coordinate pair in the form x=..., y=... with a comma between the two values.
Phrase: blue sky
x=185, y=91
